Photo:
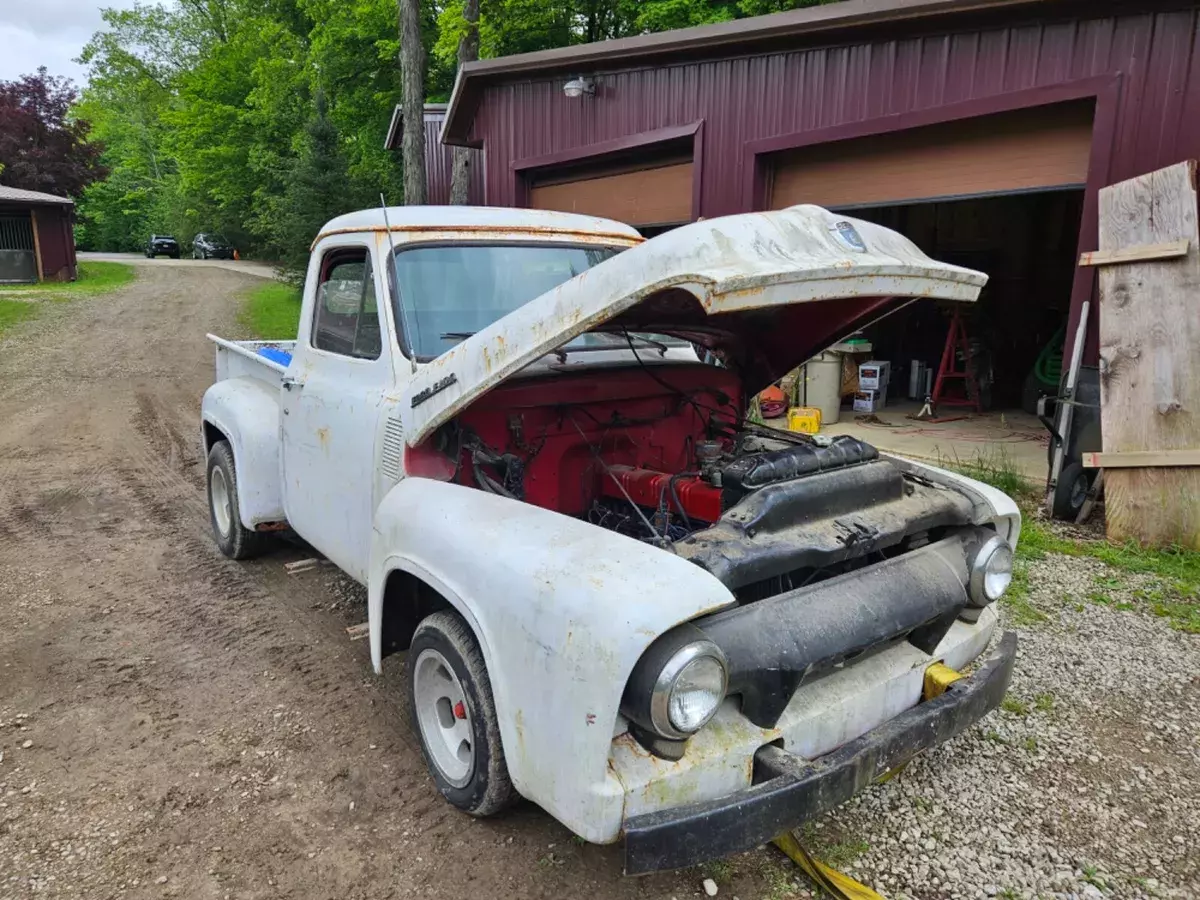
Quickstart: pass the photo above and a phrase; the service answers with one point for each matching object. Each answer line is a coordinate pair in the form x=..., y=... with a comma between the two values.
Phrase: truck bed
x=264, y=361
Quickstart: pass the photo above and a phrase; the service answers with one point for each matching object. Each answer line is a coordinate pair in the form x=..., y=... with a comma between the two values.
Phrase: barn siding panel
x=753, y=97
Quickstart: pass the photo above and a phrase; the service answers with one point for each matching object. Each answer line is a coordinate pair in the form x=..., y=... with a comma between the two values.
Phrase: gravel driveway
x=174, y=724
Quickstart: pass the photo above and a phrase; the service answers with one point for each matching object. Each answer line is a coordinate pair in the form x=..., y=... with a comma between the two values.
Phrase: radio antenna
x=394, y=283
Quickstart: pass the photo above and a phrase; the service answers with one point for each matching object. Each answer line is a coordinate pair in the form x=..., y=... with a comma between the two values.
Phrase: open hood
x=763, y=291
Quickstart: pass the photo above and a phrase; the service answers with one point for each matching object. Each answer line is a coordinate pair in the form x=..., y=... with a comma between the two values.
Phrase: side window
x=347, y=316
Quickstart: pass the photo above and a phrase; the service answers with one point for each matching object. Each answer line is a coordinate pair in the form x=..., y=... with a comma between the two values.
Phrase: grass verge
x=1174, y=595
x=272, y=311
x=14, y=311
x=93, y=278
x=996, y=468
x=20, y=302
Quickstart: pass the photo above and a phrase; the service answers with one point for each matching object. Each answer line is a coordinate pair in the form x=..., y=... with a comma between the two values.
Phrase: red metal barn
x=439, y=158
x=37, y=237
x=983, y=129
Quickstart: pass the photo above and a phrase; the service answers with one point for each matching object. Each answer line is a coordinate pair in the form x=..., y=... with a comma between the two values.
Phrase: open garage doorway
x=1027, y=244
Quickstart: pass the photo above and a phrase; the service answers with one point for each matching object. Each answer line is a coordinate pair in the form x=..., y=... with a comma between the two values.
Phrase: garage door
x=1025, y=150
x=661, y=195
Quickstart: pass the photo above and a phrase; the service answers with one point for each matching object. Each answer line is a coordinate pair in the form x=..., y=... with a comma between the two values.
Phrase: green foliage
x=272, y=311
x=205, y=107
x=316, y=192
x=204, y=110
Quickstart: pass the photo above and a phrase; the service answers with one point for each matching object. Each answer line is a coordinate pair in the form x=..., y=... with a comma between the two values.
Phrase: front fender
x=246, y=411
x=562, y=611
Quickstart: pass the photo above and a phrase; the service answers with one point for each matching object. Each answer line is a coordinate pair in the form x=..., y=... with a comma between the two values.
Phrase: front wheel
x=233, y=538
x=451, y=703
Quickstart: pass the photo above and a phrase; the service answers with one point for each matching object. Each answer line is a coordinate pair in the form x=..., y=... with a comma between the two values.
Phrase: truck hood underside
x=762, y=291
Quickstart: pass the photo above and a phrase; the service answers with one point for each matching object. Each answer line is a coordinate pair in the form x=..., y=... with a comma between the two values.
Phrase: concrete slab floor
x=1009, y=437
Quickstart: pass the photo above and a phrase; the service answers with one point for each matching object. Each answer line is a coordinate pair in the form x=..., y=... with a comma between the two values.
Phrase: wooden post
x=1149, y=347
x=37, y=245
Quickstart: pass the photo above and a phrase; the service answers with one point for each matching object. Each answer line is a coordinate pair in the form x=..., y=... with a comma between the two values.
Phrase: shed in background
x=439, y=158
x=37, y=237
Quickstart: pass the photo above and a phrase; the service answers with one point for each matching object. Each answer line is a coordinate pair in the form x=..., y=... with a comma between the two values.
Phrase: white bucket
x=821, y=385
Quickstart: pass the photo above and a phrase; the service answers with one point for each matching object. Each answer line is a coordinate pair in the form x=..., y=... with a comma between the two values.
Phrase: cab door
x=331, y=402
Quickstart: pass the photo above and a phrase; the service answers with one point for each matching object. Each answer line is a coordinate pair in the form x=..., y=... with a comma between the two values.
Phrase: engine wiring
x=659, y=539
x=509, y=466
x=689, y=398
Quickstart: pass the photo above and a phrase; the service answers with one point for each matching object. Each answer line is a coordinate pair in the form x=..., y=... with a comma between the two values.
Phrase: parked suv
x=161, y=245
x=211, y=246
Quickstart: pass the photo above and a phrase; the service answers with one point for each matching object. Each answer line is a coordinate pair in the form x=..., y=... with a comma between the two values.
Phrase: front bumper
x=789, y=789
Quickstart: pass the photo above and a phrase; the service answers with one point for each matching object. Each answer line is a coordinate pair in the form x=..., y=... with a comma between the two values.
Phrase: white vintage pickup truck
x=525, y=432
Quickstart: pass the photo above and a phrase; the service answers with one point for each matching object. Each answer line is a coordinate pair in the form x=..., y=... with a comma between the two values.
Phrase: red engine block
x=646, y=488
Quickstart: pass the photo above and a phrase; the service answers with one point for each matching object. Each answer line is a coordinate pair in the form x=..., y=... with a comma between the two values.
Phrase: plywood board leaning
x=1149, y=353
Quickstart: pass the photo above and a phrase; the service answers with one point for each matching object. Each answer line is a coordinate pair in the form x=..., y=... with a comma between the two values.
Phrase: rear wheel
x=451, y=704
x=235, y=539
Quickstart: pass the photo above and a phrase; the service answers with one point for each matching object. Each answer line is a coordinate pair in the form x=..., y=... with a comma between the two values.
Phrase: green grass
x=272, y=311
x=94, y=278
x=1014, y=705
x=837, y=854
x=996, y=468
x=14, y=311
x=719, y=870
x=1175, y=595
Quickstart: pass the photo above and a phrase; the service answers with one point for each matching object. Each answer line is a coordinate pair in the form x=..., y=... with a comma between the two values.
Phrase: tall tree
x=412, y=83
x=317, y=190
x=42, y=147
x=468, y=51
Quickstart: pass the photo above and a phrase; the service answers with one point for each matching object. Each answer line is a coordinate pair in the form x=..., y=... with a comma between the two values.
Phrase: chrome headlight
x=991, y=570
x=689, y=689
x=677, y=685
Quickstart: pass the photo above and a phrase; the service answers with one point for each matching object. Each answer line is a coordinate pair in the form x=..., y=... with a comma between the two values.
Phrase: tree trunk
x=468, y=51
x=412, y=85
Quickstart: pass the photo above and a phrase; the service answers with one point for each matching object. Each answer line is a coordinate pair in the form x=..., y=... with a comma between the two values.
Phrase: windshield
x=448, y=293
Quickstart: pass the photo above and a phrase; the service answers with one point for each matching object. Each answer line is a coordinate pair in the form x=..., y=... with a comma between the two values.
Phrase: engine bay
x=661, y=454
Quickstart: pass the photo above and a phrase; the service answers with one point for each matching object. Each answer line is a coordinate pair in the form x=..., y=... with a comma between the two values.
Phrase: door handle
x=289, y=382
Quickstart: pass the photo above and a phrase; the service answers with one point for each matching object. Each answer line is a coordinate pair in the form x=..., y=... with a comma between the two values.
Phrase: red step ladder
x=956, y=343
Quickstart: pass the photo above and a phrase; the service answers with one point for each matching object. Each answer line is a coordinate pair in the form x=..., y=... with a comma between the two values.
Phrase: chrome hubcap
x=441, y=708
x=219, y=497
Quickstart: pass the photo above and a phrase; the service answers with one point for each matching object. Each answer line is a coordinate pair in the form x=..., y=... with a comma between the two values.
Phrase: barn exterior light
x=578, y=86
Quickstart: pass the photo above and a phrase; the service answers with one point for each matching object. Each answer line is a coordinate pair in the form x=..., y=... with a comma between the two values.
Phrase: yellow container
x=805, y=419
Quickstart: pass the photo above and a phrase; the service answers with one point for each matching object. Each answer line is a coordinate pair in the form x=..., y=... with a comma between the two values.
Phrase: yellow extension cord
x=938, y=677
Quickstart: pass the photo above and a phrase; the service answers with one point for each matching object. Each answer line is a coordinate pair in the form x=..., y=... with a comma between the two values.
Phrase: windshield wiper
x=657, y=345
x=457, y=335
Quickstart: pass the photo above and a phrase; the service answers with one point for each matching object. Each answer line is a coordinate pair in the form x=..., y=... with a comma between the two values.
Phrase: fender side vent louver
x=392, y=456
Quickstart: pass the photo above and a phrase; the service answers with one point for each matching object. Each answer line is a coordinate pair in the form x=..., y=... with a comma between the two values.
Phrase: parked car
x=161, y=245
x=618, y=597
x=211, y=246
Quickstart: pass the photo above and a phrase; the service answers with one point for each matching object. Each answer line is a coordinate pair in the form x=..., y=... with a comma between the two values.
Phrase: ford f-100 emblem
x=848, y=236
x=436, y=388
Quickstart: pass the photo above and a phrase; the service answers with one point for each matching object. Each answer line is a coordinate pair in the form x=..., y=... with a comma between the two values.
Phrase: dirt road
x=194, y=719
